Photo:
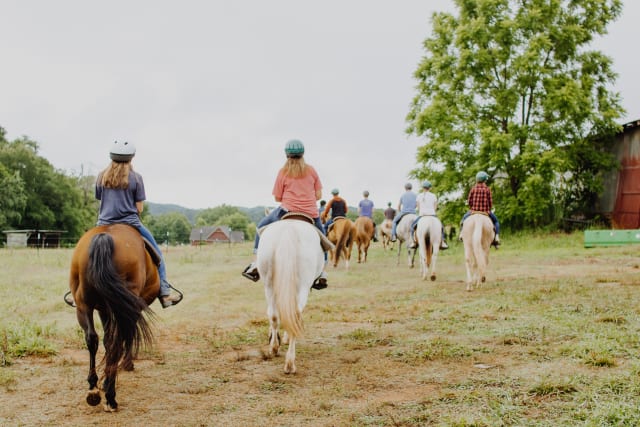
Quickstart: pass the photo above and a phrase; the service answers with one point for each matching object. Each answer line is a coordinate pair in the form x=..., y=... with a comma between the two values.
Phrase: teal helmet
x=426, y=184
x=335, y=191
x=122, y=152
x=294, y=148
x=482, y=176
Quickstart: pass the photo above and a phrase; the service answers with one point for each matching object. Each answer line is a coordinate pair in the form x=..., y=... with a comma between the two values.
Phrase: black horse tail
x=126, y=329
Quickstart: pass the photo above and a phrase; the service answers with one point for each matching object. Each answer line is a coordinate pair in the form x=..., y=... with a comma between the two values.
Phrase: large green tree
x=174, y=226
x=227, y=215
x=512, y=87
x=42, y=197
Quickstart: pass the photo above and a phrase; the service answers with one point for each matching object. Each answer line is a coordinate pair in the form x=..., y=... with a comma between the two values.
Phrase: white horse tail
x=285, y=285
x=478, y=250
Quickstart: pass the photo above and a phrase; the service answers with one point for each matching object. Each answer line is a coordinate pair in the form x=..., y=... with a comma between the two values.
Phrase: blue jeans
x=493, y=217
x=276, y=215
x=396, y=220
x=164, y=285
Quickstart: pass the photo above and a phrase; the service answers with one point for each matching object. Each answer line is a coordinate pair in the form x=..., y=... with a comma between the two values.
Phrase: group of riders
x=297, y=189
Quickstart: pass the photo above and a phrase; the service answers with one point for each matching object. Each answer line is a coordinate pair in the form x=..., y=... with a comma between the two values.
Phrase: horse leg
x=433, y=257
x=112, y=358
x=274, y=336
x=85, y=319
x=290, y=359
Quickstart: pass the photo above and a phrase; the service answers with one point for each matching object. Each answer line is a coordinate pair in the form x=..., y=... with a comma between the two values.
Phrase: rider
x=297, y=189
x=338, y=208
x=121, y=193
x=480, y=200
x=406, y=205
x=365, y=208
x=427, y=205
x=389, y=213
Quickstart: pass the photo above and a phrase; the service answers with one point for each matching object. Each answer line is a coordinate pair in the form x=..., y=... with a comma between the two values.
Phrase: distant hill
x=165, y=208
x=256, y=213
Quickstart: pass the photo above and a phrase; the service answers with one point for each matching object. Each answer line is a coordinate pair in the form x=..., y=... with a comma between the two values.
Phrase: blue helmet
x=294, y=148
x=482, y=176
x=335, y=191
x=426, y=184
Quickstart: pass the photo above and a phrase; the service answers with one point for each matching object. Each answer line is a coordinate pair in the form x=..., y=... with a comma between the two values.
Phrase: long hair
x=294, y=167
x=116, y=175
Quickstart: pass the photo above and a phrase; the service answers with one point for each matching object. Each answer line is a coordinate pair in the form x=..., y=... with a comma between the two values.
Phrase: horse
x=342, y=235
x=364, y=234
x=289, y=259
x=477, y=235
x=429, y=235
x=112, y=273
x=385, y=233
x=403, y=233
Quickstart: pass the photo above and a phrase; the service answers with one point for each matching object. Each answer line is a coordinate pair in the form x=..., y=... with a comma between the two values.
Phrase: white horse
x=477, y=235
x=385, y=234
x=403, y=233
x=289, y=259
x=429, y=236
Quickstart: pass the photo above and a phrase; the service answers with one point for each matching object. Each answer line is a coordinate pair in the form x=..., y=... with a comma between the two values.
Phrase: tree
x=174, y=226
x=510, y=87
x=226, y=215
x=13, y=200
x=43, y=197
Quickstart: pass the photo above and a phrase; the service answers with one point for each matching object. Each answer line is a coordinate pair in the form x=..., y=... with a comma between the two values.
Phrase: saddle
x=155, y=256
x=336, y=219
x=298, y=216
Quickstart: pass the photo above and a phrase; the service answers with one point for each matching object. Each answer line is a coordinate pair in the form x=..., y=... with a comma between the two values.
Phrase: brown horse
x=364, y=234
x=342, y=234
x=112, y=273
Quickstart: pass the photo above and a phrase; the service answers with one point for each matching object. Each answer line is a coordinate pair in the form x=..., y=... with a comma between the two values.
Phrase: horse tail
x=286, y=280
x=125, y=328
x=478, y=249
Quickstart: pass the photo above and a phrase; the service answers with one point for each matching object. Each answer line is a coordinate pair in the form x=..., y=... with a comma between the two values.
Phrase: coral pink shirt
x=298, y=194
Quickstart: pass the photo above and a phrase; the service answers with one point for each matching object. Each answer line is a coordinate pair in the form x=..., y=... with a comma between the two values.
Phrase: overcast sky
x=210, y=91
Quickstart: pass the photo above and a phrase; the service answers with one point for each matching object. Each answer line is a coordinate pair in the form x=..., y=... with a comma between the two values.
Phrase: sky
x=210, y=91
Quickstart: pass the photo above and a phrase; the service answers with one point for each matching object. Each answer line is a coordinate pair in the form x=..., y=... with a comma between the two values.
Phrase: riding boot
x=496, y=241
x=251, y=272
x=320, y=282
x=443, y=245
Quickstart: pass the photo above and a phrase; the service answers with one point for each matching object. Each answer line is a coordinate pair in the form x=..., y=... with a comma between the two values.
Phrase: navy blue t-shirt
x=118, y=205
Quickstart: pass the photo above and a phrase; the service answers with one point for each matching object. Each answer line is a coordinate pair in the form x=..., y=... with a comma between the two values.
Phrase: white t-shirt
x=427, y=203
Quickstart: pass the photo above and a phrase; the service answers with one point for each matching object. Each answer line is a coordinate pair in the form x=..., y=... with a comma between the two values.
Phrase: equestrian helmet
x=408, y=186
x=365, y=193
x=335, y=191
x=122, y=152
x=482, y=176
x=294, y=148
x=426, y=184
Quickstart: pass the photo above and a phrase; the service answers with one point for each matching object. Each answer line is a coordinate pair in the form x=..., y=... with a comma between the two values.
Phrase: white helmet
x=122, y=151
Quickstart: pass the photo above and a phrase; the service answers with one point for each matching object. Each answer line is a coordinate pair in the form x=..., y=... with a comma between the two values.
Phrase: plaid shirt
x=480, y=198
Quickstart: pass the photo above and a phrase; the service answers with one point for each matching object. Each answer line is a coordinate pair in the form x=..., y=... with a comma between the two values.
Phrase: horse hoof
x=109, y=408
x=433, y=277
x=483, y=279
x=93, y=397
x=289, y=368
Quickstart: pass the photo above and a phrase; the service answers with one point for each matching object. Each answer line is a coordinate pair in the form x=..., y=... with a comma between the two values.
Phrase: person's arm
x=140, y=207
x=327, y=208
x=490, y=199
x=319, y=194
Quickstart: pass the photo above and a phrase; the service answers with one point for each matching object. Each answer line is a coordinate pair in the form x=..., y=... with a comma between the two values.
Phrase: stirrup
x=69, y=299
x=320, y=283
x=251, y=273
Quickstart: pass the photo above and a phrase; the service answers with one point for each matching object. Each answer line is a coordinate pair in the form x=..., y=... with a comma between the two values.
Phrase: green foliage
x=227, y=215
x=39, y=196
x=510, y=87
x=173, y=226
x=26, y=339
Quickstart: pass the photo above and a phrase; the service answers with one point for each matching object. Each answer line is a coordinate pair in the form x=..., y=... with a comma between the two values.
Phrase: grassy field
x=551, y=339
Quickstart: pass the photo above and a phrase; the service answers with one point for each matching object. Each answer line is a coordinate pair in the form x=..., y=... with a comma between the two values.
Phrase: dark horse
x=112, y=273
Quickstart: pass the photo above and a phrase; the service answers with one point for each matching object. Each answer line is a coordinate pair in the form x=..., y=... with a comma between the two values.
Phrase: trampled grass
x=551, y=339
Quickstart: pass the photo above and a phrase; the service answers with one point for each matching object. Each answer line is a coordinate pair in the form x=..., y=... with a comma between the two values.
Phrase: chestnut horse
x=113, y=274
x=364, y=234
x=289, y=259
x=477, y=235
x=342, y=234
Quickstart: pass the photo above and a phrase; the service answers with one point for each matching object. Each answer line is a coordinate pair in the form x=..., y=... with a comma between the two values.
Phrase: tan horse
x=385, y=234
x=342, y=235
x=403, y=232
x=429, y=236
x=477, y=235
x=364, y=234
